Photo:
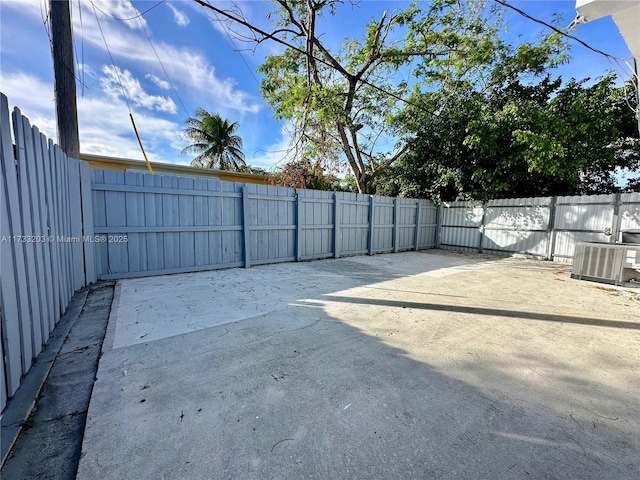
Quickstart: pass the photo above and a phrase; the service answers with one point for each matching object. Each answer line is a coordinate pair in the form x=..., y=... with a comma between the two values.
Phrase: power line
x=300, y=50
x=47, y=29
x=127, y=19
x=116, y=69
x=82, y=45
x=162, y=65
x=557, y=30
x=124, y=94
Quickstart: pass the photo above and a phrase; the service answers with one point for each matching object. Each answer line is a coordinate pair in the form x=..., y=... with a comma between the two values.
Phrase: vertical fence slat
x=298, y=228
x=75, y=211
x=336, y=226
x=43, y=231
x=67, y=224
x=245, y=225
x=14, y=283
x=30, y=326
x=416, y=239
x=371, y=223
x=87, y=224
x=396, y=224
x=3, y=382
x=52, y=218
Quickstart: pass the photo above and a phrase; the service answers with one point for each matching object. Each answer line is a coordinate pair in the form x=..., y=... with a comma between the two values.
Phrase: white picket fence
x=45, y=211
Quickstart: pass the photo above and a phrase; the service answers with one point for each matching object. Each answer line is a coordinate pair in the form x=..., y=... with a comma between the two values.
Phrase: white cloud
x=35, y=99
x=133, y=90
x=179, y=16
x=163, y=84
x=105, y=126
x=185, y=67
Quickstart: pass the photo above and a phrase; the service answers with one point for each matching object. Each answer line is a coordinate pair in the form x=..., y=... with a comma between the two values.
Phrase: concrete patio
x=411, y=365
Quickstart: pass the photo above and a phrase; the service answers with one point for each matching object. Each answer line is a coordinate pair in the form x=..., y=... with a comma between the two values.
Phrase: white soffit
x=626, y=14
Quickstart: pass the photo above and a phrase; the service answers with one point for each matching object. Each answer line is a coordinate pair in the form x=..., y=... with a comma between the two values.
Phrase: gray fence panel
x=629, y=214
x=154, y=224
x=41, y=253
x=354, y=223
x=517, y=226
x=460, y=226
x=581, y=219
x=272, y=227
x=383, y=224
x=428, y=228
x=316, y=224
x=407, y=211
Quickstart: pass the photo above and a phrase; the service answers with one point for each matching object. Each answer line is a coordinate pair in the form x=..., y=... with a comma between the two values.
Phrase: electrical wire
x=82, y=45
x=47, y=28
x=162, y=65
x=113, y=63
x=127, y=19
x=237, y=50
x=73, y=39
x=300, y=50
x=616, y=62
x=557, y=30
x=124, y=94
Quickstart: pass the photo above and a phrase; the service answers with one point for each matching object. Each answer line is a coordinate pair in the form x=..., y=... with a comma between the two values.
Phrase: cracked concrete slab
x=413, y=365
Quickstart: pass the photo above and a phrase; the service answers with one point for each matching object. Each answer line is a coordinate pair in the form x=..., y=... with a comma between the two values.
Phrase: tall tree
x=520, y=139
x=214, y=141
x=340, y=100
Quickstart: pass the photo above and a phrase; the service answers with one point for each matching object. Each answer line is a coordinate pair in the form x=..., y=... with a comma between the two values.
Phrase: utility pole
x=65, y=78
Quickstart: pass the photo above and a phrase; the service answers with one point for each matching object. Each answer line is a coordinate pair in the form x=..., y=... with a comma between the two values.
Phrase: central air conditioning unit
x=615, y=264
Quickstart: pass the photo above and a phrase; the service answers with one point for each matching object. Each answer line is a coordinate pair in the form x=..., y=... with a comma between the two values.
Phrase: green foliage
x=484, y=119
x=518, y=139
x=214, y=142
x=342, y=103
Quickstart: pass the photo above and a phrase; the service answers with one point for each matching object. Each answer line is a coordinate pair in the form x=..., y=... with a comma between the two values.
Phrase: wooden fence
x=154, y=224
x=542, y=227
x=64, y=225
x=45, y=202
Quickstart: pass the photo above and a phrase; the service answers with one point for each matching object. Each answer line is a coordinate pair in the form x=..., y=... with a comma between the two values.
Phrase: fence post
x=551, y=232
x=245, y=226
x=371, y=207
x=439, y=215
x=336, y=226
x=416, y=238
x=298, y=227
x=617, y=220
x=396, y=223
x=484, y=215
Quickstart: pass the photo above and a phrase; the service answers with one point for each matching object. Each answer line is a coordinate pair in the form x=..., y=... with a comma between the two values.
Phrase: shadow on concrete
x=300, y=393
x=439, y=307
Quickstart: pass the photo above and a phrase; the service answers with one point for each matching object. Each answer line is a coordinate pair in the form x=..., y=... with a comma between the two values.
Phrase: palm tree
x=214, y=141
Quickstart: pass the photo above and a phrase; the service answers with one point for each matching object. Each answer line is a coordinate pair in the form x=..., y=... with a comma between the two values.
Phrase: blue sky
x=203, y=66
